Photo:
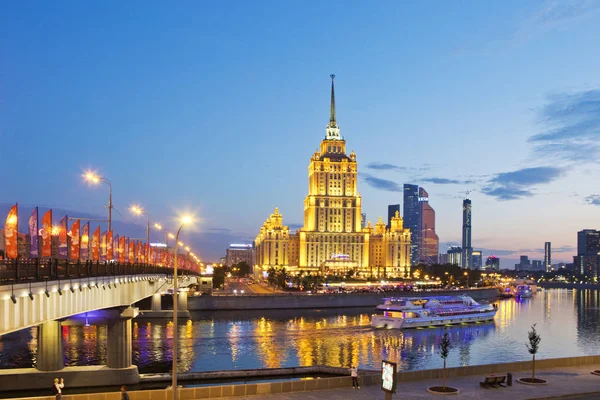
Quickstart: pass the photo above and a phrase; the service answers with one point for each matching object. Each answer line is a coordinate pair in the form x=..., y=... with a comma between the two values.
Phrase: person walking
x=354, y=375
x=57, y=388
x=124, y=394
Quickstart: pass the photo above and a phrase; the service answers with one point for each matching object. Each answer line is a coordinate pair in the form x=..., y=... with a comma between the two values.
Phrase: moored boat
x=416, y=312
x=523, y=291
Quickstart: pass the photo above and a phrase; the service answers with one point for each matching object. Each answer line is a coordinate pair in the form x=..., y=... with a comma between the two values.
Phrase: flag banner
x=96, y=245
x=131, y=253
x=110, y=246
x=75, y=238
x=85, y=242
x=63, y=238
x=152, y=254
x=147, y=255
x=140, y=253
x=115, y=248
x=46, y=233
x=103, y=245
x=33, y=234
x=135, y=250
x=122, y=250
x=11, y=233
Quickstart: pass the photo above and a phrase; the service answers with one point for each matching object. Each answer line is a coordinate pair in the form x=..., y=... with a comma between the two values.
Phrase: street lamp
x=93, y=178
x=184, y=220
x=137, y=210
x=467, y=275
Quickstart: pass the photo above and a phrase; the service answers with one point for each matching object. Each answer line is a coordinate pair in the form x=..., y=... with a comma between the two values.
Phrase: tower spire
x=332, y=108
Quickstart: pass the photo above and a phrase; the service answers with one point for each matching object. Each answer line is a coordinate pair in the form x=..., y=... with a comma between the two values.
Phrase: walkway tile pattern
x=562, y=382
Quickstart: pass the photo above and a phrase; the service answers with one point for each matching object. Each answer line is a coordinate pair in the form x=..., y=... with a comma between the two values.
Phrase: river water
x=568, y=321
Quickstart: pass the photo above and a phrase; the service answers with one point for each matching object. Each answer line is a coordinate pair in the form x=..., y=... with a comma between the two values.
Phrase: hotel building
x=332, y=239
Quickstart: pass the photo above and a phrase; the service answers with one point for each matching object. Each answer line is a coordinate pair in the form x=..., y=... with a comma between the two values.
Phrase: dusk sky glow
x=215, y=108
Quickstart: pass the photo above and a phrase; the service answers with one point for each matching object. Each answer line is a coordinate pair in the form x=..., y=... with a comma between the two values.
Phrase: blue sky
x=216, y=107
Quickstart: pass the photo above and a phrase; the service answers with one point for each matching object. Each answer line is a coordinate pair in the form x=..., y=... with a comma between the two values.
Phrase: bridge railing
x=16, y=271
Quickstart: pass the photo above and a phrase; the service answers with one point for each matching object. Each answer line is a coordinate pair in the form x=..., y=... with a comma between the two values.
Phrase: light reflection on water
x=568, y=321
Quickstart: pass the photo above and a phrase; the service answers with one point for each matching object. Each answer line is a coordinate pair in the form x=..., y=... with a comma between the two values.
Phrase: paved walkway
x=563, y=383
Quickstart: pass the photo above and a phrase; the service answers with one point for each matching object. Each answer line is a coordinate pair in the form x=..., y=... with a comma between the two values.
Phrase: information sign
x=388, y=376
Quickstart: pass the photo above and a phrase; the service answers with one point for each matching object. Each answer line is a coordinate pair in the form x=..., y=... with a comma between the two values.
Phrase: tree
x=445, y=347
x=218, y=277
x=532, y=347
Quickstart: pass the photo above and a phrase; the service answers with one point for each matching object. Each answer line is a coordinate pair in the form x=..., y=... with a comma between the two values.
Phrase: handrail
x=36, y=270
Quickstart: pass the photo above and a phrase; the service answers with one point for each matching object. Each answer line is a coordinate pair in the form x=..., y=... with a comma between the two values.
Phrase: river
x=568, y=321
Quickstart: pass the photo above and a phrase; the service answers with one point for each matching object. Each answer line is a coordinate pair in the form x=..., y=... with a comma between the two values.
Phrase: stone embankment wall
x=299, y=301
x=560, y=285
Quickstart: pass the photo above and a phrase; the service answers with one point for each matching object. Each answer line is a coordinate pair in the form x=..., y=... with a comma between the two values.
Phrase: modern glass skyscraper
x=587, y=261
x=467, y=256
x=477, y=256
x=548, y=256
x=392, y=208
x=412, y=219
x=429, y=244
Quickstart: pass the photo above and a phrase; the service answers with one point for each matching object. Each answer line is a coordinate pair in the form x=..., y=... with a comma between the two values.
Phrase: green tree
x=532, y=347
x=218, y=277
x=445, y=347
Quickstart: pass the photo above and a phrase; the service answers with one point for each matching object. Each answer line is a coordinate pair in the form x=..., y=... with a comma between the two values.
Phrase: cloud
x=384, y=166
x=572, y=127
x=219, y=230
x=295, y=226
x=593, y=199
x=518, y=184
x=381, y=184
x=445, y=181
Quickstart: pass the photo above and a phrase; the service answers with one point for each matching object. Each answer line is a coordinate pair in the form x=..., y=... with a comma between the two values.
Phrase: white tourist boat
x=417, y=312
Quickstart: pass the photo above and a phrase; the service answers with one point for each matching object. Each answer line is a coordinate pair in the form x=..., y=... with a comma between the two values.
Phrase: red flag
x=85, y=242
x=63, y=236
x=96, y=245
x=122, y=250
x=140, y=252
x=47, y=234
x=131, y=257
x=75, y=245
x=11, y=232
x=103, y=246
x=109, y=245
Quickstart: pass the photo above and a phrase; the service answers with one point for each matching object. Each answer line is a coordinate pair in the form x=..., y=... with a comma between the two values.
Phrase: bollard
x=509, y=379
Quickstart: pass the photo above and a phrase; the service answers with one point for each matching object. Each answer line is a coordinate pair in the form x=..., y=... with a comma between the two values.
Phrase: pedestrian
x=354, y=375
x=57, y=388
x=124, y=394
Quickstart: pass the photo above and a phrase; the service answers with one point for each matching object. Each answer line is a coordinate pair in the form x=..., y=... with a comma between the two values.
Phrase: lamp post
x=169, y=235
x=184, y=220
x=140, y=211
x=467, y=275
x=91, y=177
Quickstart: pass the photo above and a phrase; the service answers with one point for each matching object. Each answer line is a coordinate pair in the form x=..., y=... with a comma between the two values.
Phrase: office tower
x=237, y=253
x=454, y=255
x=524, y=264
x=548, y=256
x=429, y=243
x=467, y=256
x=363, y=220
x=392, y=209
x=587, y=261
x=492, y=263
x=536, y=265
x=412, y=219
x=477, y=257
x=332, y=240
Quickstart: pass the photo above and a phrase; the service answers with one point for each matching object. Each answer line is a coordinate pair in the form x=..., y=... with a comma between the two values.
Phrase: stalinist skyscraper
x=332, y=240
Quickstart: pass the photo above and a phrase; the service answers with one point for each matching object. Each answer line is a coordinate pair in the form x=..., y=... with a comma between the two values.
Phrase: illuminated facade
x=332, y=239
x=429, y=243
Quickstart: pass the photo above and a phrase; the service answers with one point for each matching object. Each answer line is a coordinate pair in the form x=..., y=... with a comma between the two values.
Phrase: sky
x=215, y=108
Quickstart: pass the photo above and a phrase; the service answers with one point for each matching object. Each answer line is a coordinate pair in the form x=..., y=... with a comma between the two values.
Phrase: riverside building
x=332, y=240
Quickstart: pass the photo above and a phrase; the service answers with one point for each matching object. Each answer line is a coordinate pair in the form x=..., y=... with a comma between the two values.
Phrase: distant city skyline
x=212, y=108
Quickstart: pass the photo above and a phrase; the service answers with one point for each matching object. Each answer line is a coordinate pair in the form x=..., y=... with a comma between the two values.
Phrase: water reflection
x=569, y=322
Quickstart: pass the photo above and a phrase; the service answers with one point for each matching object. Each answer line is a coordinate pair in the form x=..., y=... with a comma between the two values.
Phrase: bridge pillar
x=118, y=349
x=50, y=347
x=182, y=301
x=156, y=306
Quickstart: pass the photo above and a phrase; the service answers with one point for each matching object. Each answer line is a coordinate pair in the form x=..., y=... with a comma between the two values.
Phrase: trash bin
x=509, y=379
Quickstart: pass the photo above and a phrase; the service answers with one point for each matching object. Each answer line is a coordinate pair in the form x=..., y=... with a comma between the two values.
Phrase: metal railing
x=17, y=271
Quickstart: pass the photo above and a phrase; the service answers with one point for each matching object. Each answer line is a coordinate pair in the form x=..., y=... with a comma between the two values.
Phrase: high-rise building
x=587, y=261
x=237, y=253
x=454, y=255
x=536, y=265
x=412, y=219
x=548, y=256
x=467, y=256
x=332, y=240
x=492, y=263
x=392, y=209
x=477, y=257
x=429, y=244
x=524, y=264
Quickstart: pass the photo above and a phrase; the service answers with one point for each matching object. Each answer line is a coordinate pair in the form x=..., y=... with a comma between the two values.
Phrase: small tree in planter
x=445, y=346
x=532, y=347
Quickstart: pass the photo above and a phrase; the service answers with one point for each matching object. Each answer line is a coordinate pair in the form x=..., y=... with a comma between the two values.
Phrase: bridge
x=47, y=293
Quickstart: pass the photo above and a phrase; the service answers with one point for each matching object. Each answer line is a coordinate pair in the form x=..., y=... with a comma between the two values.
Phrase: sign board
x=388, y=376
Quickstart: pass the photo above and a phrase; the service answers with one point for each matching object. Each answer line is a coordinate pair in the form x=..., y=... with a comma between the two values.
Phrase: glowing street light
x=95, y=179
x=184, y=220
x=137, y=210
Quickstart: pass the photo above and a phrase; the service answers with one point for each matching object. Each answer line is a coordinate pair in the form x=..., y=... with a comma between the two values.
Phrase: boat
x=420, y=312
x=523, y=291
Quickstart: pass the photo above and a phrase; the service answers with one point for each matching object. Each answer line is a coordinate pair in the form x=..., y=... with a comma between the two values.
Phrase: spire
x=332, y=109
